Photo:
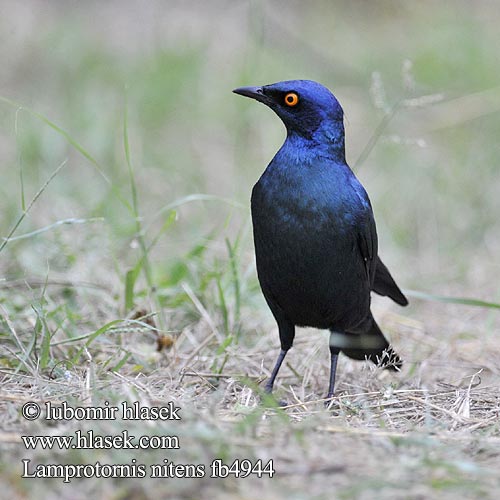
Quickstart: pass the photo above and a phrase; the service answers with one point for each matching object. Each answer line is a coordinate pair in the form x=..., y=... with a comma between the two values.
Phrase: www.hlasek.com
x=124, y=440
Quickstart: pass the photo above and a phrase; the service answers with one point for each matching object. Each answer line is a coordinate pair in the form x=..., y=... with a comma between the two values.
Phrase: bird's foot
x=329, y=401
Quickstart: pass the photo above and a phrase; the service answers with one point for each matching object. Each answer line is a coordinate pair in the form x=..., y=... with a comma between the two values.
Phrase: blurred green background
x=419, y=78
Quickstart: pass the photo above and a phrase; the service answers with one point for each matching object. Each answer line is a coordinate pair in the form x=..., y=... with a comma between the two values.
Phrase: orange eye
x=291, y=99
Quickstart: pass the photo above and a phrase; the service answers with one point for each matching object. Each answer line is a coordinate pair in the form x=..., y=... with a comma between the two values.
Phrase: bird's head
x=304, y=106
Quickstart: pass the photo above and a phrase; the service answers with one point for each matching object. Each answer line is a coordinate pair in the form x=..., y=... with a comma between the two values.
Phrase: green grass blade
x=61, y=132
x=32, y=202
x=45, y=347
x=73, y=142
x=126, y=146
x=24, y=356
x=61, y=222
x=144, y=263
x=376, y=135
x=93, y=336
x=235, y=279
x=21, y=177
x=452, y=300
x=222, y=303
x=172, y=217
x=121, y=362
x=189, y=199
x=130, y=280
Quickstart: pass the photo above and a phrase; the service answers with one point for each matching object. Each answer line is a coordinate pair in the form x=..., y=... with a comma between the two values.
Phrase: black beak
x=254, y=93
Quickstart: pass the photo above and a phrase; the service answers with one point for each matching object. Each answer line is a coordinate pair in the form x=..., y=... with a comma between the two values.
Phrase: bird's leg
x=333, y=369
x=334, y=355
x=287, y=333
x=276, y=369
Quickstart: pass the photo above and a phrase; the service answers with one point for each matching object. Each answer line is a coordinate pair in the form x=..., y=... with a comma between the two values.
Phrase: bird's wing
x=384, y=284
x=367, y=244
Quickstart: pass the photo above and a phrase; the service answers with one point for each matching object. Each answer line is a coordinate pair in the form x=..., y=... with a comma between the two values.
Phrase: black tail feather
x=383, y=355
x=385, y=285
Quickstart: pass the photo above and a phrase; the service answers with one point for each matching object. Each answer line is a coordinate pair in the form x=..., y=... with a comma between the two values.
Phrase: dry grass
x=430, y=431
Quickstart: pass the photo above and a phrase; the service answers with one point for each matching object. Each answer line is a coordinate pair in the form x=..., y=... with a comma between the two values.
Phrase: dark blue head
x=307, y=108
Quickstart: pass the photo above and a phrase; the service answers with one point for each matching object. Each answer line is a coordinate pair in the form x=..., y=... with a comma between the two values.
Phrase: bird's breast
x=308, y=202
x=307, y=253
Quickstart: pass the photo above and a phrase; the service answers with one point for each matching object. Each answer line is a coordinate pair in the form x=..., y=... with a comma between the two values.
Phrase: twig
x=222, y=375
x=451, y=414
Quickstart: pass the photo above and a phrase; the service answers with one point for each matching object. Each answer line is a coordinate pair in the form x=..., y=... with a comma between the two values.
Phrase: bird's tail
x=388, y=359
x=378, y=350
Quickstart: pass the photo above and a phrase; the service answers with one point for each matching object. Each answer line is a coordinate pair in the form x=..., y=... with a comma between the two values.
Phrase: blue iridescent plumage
x=314, y=232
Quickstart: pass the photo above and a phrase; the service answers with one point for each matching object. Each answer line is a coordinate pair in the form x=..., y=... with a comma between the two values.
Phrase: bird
x=314, y=232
